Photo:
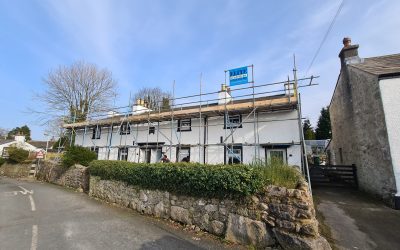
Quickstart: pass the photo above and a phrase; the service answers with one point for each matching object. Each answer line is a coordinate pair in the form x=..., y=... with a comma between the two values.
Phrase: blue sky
x=153, y=43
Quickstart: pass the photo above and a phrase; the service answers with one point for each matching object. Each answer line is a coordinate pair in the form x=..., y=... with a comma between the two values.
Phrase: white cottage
x=229, y=130
x=19, y=142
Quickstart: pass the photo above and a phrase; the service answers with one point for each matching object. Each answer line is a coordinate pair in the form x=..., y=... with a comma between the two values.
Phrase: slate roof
x=40, y=144
x=5, y=141
x=381, y=65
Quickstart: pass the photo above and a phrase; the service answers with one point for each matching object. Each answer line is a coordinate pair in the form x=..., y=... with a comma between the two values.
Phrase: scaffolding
x=251, y=100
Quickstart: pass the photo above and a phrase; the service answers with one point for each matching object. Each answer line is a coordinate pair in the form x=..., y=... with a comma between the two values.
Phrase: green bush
x=78, y=155
x=184, y=178
x=17, y=155
x=2, y=161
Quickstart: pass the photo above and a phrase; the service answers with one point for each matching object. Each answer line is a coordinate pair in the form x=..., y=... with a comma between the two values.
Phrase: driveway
x=36, y=215
x=357, y=221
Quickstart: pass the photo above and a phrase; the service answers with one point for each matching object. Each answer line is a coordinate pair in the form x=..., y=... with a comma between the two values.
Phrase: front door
x=147, y=155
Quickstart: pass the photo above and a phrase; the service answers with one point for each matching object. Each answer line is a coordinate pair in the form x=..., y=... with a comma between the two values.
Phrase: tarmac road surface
x=36, y=215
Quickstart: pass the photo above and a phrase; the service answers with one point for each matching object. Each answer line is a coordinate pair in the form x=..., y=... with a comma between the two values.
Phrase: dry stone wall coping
x=278, y=216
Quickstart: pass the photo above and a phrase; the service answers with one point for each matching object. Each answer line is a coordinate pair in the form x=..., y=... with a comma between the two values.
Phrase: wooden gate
x=334, y=176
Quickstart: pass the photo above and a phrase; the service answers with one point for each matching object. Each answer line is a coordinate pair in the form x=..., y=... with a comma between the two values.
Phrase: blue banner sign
x=238, y=76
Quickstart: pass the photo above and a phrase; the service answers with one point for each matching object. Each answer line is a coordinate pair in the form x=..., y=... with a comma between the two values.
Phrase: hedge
x=2, y=161
x=78, y=155
x=184, y=178
x=17, y=155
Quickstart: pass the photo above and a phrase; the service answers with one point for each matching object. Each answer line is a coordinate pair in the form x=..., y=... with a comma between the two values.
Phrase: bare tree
x=4, y=133
x=77, y=90
x=155, y=98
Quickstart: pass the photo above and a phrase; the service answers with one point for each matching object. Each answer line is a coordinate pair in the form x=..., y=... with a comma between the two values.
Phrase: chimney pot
x=346, y=41
x=349, y=53
x=223, y=87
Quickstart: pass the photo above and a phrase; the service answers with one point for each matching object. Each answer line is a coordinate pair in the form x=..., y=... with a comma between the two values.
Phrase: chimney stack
x=349, y=53
x=224, y=95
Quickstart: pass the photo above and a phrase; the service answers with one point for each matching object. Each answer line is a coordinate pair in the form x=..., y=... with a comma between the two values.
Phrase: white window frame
x=122, y=155
x=96, y=132
x=229, y=124
x=125, y=129
x=182, y=153
x=283, y=150
x=185, y=125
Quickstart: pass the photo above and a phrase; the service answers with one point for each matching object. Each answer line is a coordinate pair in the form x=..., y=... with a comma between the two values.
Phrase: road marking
x=34, y=237
x=25, y=191
x=33, y=207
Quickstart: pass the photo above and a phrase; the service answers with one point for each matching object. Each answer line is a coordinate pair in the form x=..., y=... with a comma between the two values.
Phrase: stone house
x=365, y=120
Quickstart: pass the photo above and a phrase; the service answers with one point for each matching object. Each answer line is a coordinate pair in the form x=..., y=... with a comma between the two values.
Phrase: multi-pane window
x=96, y=132
x=125, y=129
x=123, y=154
x=234, y=154
x=233, y=121
x=152, y=130
x=276, y=155
x=185, y=125
x=183, y=154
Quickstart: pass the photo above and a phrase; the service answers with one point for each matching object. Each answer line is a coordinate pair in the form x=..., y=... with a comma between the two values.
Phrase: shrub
x=78, y=155
x=2, y=161
x=184, y=178
x=276, y=173
x=17, y=155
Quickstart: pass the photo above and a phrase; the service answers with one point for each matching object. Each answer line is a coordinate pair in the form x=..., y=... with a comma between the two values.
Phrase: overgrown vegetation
x=195, y=179
x=276, y=173
x=2, y=161
x=17, y=155
x=78, y=155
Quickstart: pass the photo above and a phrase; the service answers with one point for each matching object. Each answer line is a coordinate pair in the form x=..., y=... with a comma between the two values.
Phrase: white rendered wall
x=390, y=92
x=273, y=128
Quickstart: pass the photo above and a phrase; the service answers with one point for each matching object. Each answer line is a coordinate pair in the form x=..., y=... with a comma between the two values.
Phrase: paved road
x=357, y=221
x=37, y=215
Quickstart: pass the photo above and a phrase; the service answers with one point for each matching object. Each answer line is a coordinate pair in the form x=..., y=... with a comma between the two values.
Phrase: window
x=96, y=132
x=185, y=125
x=183, y=153
x=123, y=154
x=234, y=154
x=125, y=129
x=276, y=155
x=96, y=150
x=5, y=152
x=233, y=121
x=152, y=130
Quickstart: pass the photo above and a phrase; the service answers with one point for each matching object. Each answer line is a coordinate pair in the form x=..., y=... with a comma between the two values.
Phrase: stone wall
x=76, y=177
x=280, y=216
x=15, y=170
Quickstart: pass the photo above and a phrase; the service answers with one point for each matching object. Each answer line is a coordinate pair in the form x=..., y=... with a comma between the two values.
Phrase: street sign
x=40, y=155
x=238, y=76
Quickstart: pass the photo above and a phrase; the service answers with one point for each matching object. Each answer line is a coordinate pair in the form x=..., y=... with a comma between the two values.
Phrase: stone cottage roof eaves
x=380, y=65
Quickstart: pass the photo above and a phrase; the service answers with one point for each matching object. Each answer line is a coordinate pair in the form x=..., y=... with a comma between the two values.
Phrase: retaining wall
x=279, y=216
x=76, y=177
x=15, y=170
